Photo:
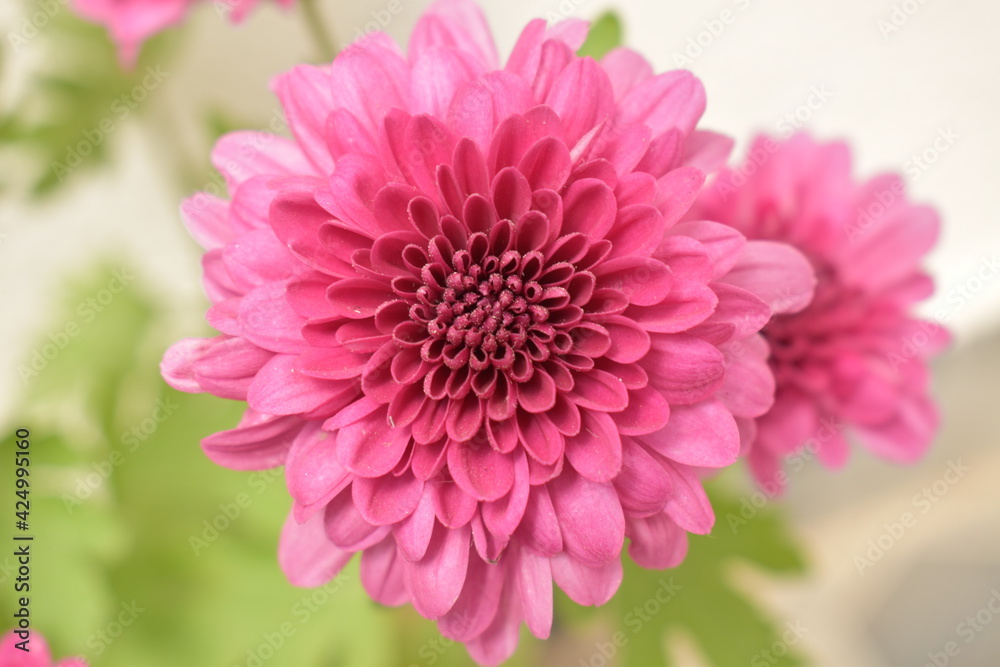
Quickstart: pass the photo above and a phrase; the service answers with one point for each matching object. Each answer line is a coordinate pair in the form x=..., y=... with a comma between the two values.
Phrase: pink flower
x=465, y=320
x=855, y=360
x=131, y=22
x=13, y=653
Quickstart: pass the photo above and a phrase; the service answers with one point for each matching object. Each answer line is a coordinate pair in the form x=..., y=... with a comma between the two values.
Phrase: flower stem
x=324, y=42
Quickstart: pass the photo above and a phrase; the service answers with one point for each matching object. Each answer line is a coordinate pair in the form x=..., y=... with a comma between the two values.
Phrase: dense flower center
x=804, y=344
x=486, y=310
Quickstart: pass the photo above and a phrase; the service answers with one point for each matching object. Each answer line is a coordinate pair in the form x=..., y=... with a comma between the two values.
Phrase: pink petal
x=643, y=487
x=477, y=604
x=502, y=516
x=435, y=581
x=312, y=471
x=598, y=390
x=207, y=219
x=546, y=165
x=582, y=96
x=351, y=77
x=438, y=74
x=481, y=471
x=777, y=273
x=382, y=574
x=280, y=389
x=370, y=447
x=647, y=412
x=587, y=585
x=688, y=506
x=242, y=155
x=677, y=191
x=483, y=103
x=703, y=435
x=540, y=526
x=670, y=100
x=629, y=342
x=589, y=208
x=413, y=534
x=455, y=24
x=307, y=97
x=266, y=319
x=683, y=368
x=388, y=499
x=688, y=304
x=540, y=437
x=626, y=69
x=748, y=388
x=657, y=542
x=453, y=507
x=724, y=244
x=258, y=443
x=637, y=230
x=306, y=556
x=590, y=518
x=534, y=584
x=644, y=281
x=499, y=640
x=707, y=151
x=596, y=453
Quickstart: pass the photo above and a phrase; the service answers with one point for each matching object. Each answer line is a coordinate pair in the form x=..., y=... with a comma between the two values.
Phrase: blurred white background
x=895, y=76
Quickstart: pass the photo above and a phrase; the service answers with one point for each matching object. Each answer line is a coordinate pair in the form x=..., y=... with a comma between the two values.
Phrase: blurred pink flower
x=466, y=322
x=855, y=360
x=131, y=22
x=37, y=654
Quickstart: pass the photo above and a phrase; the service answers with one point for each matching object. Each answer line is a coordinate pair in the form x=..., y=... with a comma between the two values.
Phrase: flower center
x=483, y=312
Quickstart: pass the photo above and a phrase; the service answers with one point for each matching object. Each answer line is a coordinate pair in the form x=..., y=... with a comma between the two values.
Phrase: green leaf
x=605, y=34
x=75, y=101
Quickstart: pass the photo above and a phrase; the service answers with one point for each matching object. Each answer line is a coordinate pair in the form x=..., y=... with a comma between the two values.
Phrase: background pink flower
x=131, y=22
x=37, y=656
x=856, y=359
x=465, y=320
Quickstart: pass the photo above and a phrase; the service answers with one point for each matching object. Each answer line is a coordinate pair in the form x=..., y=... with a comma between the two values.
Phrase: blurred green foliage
x=77, y=98
x=605, y=34
x=122, y=494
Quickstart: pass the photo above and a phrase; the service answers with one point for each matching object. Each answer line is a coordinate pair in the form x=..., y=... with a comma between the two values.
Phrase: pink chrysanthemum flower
x=855, y=360
x=465, y=321
x=131, y=22
x=37, y=655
